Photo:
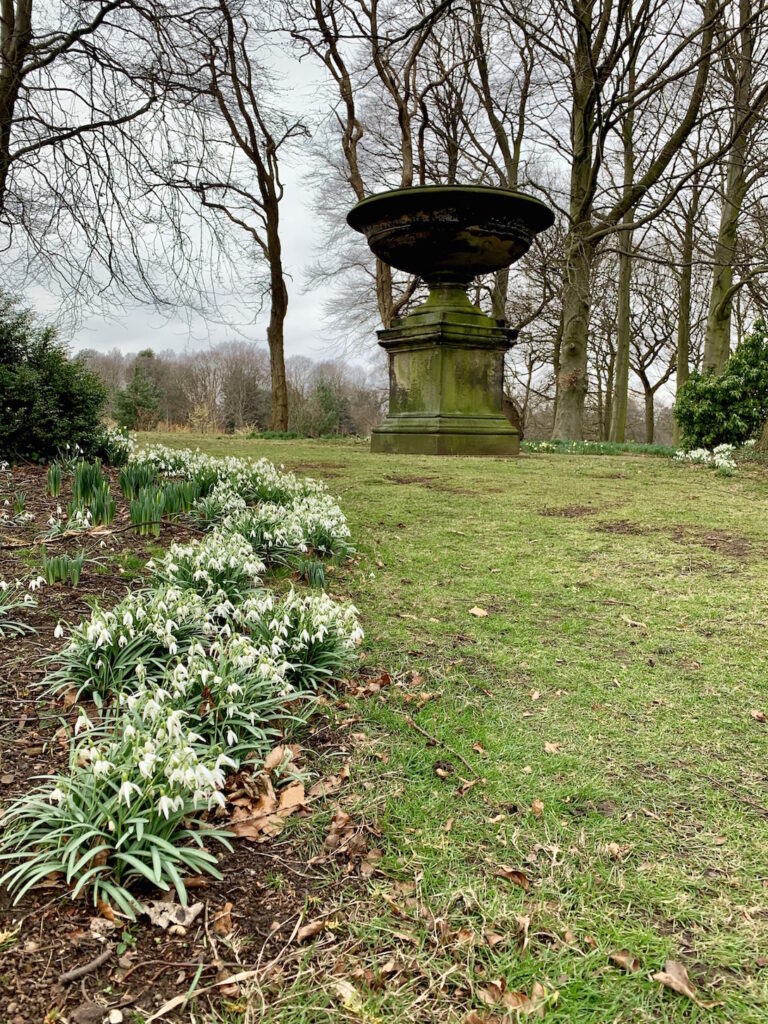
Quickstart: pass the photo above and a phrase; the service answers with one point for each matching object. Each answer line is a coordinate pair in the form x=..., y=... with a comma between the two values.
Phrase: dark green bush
x=47, y=400
x=732, y=407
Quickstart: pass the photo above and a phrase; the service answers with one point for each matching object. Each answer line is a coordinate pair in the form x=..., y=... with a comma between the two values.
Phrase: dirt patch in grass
x=568, y=511
x=622, y=527
x=405, y=479
x=720, y=541
x=435, y=483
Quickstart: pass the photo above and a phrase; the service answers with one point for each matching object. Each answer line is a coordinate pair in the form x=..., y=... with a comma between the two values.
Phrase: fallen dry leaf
x=274, y=758
x=537, y=807
x=328, y=786
x=616, y=852
x=513, y=875
x=523, y=925
x=308, y=931
x=759, y=716
x=105, y=910
x=449, y=824
x=165, y=915
x=675, y=977
x=348, y=995
x=496, y=994
x=623, y=958
x=552, y=748
x=492, y=994
x=370, y=862
x=479, y=613
x=466, y=785
x=222, y=921
x=291, y=798
x=633, y=622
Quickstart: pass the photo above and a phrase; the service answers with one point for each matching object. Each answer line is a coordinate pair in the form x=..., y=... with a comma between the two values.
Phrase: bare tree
x=213, y=61
x=744, y=64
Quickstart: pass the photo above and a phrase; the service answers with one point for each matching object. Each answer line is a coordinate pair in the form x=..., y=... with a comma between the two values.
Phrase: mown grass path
x=612, y=682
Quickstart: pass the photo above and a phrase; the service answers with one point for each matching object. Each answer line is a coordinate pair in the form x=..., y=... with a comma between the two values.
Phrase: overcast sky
x=140, y=327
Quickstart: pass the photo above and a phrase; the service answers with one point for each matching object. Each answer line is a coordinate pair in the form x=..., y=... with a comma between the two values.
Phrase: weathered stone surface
x=446, y=358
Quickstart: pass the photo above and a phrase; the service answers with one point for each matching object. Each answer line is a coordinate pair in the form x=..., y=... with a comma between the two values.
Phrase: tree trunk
x=650, y=421
x=384, y=297
x=717, y=342
x=579, y=252
x=618, y=420
x=762, y=444
x=609, y=397
x=684, y=315
x=499, y=294
x=572, y=371
x=623, y=325
x=15, y=40
x=275, y=331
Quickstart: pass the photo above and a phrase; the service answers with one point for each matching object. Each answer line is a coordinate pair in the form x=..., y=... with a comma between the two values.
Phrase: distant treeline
x=227, y=388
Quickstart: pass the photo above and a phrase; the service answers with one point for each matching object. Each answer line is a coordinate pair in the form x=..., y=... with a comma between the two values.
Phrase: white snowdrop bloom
x=57, y=795
x=231, y=738
x=101, y=767
x=165, y=805
x=83, y=722
x=59, y=631
x=124, y=793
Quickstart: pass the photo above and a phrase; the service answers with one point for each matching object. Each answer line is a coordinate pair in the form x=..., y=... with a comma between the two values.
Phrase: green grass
x=628, y=593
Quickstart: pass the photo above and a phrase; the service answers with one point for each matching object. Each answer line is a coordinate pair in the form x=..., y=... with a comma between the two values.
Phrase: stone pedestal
x=446, y=376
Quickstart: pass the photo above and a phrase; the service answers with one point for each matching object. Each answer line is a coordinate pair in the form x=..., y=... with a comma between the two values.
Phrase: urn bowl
x=450, y=233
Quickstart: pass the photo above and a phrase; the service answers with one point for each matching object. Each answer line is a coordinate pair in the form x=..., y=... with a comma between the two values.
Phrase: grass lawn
x=603, y=703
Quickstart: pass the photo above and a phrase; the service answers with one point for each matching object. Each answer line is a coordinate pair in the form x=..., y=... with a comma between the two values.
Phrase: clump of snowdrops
x=721, y=458
x=191, y=675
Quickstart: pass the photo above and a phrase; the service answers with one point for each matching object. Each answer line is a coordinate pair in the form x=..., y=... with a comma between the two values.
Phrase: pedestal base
x=446, y=376
x=446, y=435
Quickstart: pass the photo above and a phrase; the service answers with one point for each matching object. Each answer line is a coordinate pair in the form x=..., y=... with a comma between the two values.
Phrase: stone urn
x=446, y=358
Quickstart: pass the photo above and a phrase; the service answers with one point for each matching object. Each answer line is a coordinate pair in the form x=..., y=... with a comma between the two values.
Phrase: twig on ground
x=439, y=743
x=92, y=965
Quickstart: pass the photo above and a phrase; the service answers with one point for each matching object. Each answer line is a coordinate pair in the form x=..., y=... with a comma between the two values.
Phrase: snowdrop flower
x=36, y=583
x=83, y=722
x=57, y=795
x=165, y=805
x=124, y=793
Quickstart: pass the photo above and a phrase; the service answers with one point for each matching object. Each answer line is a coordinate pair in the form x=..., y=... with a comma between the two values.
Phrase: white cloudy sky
x=133, y=328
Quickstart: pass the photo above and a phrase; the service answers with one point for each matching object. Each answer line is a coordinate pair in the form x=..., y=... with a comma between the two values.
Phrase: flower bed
x=199, y=670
